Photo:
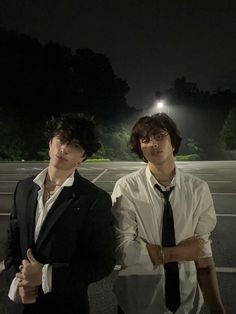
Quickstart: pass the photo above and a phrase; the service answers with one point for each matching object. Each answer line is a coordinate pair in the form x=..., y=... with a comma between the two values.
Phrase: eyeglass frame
x=159, y=136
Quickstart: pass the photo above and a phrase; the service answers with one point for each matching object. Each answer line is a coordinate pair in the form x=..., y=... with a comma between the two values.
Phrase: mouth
x=157, y=152
x=61, y=158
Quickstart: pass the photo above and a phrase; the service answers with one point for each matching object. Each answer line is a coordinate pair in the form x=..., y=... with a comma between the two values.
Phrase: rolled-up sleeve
x=207, y=218
x=131, y=248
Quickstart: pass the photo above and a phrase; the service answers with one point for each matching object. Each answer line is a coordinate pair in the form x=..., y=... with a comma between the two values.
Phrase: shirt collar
x=40, y=178
x=152, y=180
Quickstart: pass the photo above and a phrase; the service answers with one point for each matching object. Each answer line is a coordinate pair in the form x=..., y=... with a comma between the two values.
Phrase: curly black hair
x=149, y=125
x=75, y=126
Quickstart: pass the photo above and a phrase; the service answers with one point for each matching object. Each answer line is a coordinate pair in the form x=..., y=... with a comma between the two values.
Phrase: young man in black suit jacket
x=60, y=237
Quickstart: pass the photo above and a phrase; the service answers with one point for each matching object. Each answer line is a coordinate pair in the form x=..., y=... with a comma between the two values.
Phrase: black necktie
x=172, y=293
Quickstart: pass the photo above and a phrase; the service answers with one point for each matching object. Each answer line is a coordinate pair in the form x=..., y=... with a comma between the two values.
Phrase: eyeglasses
x=158, y=137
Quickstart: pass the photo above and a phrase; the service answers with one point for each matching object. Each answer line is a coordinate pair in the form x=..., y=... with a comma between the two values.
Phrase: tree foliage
x=199, y=115
x=51, y=79
x=40, y=80
x=115, y=142
x=228, y=133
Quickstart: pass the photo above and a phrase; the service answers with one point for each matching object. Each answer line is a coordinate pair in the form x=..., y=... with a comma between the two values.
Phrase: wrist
x=160, y=255
x=172, y=254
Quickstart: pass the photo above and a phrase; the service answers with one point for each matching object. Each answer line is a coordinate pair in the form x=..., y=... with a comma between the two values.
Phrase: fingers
x=23, y=283
x=19, y=276
x=30, y=256
x=25, y=262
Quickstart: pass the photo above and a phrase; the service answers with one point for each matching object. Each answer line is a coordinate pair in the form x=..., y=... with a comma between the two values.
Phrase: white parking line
x=8, y=181
x=219, y=181
x=223, y=193
x=6, y=193
x=30, y=168
x=226, y=215
x=15, y=174
x=99, y=176
x=205, y=174
x=226, y=269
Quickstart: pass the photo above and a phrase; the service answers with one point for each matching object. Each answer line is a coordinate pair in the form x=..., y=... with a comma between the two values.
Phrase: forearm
x=187, y=250
x=173, y=254
x=168, y=255
x=207, y=279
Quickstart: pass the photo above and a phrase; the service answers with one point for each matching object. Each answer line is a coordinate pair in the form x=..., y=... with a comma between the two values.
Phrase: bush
x=191, y=157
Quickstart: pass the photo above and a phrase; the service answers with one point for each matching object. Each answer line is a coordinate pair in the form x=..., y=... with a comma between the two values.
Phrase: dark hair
x=75, y=126
x=149, y=125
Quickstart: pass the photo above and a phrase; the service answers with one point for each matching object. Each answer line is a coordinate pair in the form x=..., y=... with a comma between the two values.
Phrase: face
x=157, y=148
x=65, y=156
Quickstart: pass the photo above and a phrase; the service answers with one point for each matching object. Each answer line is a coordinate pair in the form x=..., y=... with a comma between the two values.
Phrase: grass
x=191, y=157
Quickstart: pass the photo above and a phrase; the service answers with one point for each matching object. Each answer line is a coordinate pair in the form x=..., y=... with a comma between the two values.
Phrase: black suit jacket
x=76, y=238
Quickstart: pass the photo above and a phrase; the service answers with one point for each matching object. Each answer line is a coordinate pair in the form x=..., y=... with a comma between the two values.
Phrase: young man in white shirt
x=138, y=209
x=60, y=237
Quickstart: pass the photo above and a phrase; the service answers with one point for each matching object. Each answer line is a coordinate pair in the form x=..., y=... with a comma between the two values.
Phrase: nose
x=154, y=142
x=63, y=148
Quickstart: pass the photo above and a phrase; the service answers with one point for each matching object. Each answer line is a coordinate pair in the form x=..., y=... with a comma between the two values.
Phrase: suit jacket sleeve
x=13, y=253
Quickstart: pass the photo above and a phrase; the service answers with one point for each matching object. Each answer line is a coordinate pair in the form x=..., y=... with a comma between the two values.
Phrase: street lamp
x=162, y=105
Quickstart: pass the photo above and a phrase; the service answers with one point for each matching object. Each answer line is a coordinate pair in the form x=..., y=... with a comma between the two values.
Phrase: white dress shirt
x=41, y=213
x=138, y=210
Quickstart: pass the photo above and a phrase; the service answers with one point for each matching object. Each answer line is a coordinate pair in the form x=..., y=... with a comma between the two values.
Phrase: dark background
x=114, y=60
x=149, y=43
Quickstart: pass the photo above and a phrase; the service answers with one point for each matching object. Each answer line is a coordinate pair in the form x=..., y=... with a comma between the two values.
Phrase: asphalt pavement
x=221, y=178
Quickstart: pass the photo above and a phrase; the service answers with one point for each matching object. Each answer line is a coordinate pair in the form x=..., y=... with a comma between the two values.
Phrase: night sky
x=148, y=42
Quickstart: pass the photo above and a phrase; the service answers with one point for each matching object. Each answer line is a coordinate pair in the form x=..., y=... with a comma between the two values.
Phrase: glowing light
x=160, y=104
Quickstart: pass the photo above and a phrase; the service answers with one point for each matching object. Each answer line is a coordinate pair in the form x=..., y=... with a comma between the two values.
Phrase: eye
x=76, y=145
x=145, y=140
x=160, y=136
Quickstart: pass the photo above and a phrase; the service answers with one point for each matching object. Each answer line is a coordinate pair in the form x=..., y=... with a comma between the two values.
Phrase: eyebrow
x=148, y=134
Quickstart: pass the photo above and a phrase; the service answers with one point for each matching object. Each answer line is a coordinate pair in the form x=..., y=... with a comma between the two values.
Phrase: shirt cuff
x=12, y=294
x=47, y=278
x=206, y=251
x=2, y=266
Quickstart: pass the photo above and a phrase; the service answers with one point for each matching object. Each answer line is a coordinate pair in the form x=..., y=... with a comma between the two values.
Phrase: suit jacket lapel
x=30, y=214
x=64, y=199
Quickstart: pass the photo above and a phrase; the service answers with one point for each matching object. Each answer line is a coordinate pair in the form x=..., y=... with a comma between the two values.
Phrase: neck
x=163, y=173
x=57, y=177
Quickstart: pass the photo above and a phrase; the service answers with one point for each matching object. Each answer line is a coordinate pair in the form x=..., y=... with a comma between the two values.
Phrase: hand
x=31, y=271
x=27, y=294
x=191, y=248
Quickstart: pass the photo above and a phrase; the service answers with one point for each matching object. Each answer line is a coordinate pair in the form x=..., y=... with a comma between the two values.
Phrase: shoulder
x=132, y=179
x=26, y=183
x=192, y=183
x=131, y=183
x=190, y=178
x=86, y=187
